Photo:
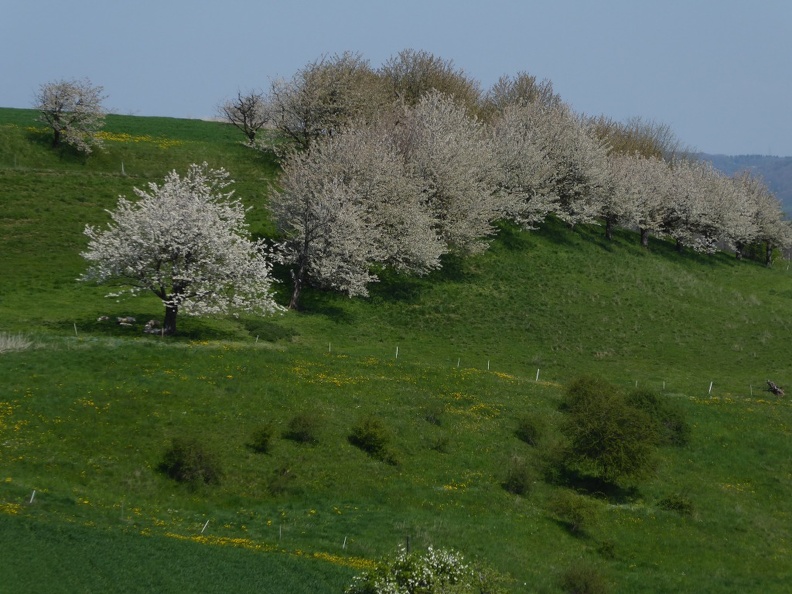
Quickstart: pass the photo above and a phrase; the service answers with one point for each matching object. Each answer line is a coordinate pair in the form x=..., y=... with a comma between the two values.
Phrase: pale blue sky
x=719, y=72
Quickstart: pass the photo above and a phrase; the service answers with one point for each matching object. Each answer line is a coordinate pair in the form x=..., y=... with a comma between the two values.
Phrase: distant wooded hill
x=776, y=172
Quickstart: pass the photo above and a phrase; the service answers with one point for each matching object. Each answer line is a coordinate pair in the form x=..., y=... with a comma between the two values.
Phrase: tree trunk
x=769, y=254
x=679, y=245
x=297, y=282
x=608, y=229
x=644, y=238
x=169, y=327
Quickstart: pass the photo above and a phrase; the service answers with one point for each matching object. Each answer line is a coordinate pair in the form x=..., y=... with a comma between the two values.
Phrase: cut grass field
x=88, y=408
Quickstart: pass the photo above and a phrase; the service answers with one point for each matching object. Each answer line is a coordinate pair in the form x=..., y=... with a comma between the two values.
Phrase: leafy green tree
x=608, y=437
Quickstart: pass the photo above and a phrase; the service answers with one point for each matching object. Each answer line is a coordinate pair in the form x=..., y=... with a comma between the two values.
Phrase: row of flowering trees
x=394, y=168
x=397, y=167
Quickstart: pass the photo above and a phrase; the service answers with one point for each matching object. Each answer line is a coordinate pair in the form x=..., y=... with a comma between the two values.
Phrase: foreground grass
x=78, y=558
x=88, y=408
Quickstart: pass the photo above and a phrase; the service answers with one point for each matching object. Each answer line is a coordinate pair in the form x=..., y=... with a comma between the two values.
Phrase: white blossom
x=524, y=173
x=450, y=154
x=187, y=242
x=73, y=109
x=347, y=204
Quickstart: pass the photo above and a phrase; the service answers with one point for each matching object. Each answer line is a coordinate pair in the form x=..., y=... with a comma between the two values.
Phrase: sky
x=718, y=72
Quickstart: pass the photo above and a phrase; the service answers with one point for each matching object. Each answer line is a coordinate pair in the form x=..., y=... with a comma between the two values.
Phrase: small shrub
x=434, y=415
x=530, y=429
x=441, y=444
x=187, y=461
x=520, y=477
x=679, y=503
x=371, y=436
x=582, y=578
x=436, y=570
x=607, y=549
x=577, y=512
x=304, y=428
x=261, y=439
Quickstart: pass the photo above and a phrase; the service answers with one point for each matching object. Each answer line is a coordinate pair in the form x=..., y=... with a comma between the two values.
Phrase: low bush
x=520, y=477
x=261, y=439
x=371, y=436
x=679, y=503
x=435, y=571
x=583, y=578
x=304, y=427
x=577, y=512
x=441, y=444
x=188, y=461
x=530, y=429
x=434, y=415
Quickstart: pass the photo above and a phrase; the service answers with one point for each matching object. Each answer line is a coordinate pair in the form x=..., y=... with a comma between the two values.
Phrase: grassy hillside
x=87, y=412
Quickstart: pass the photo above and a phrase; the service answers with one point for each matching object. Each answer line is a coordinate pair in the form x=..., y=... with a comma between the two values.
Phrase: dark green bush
x=187, y=461
x=441, y=444
x=530, y=429
x=608, y=438
x=583, y=578
x=669, y=418
x=577, y=512
x=371, y=436
x=607, y=549
x=434, y=415
x=304, y=427
x=679, y=503
x=520, y=477
x=261, y=439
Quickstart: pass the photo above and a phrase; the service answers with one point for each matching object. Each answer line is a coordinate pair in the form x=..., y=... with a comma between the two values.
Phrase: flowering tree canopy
x=347, y=204
x=73, y=109
x=450, y=154
x=434, y=572
x=187, y=242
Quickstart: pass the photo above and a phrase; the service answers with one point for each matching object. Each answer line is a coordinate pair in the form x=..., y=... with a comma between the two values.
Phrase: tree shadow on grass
x=596, y=487
x=133, y=323
x=325, y=303
x=512, y=237
x=395, y=287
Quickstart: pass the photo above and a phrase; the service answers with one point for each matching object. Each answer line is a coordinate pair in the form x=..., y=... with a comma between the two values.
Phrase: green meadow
x=448, y=364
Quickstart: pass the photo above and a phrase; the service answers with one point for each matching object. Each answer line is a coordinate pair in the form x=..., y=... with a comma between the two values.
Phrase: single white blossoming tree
x=186, y=241
x=73, y=109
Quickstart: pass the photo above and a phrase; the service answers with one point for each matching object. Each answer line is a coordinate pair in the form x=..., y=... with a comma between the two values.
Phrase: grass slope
x=87, y=412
